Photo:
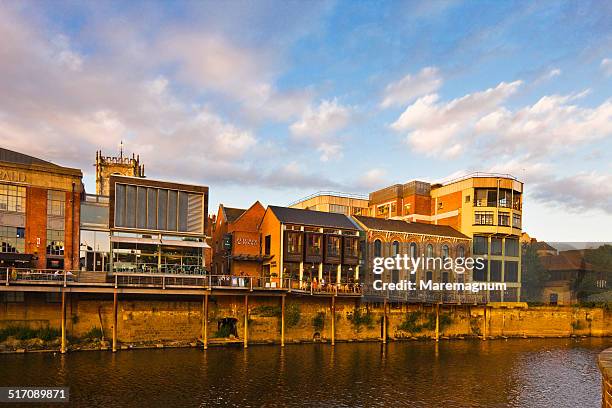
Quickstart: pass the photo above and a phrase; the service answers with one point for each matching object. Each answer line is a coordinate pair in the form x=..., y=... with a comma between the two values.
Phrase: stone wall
x=164, y=318
x=605, y=365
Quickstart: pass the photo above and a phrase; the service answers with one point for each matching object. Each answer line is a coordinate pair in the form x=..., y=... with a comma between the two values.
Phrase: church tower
x=108, y=165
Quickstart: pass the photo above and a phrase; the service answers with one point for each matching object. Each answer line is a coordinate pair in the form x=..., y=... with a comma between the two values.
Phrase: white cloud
x=319, y=125
x=606, y=66
x=435, y=128
x=408, y=88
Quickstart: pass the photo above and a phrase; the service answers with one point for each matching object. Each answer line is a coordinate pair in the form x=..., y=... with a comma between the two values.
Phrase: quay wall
x=166, y=318
x=605, y=365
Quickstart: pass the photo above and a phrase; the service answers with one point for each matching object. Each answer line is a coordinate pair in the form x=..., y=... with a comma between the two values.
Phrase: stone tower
x=108, y=165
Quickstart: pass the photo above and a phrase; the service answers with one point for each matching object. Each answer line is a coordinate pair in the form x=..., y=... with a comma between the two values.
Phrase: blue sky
x=276, y=100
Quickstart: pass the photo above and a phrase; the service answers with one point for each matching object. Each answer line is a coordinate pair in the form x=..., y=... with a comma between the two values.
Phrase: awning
x=135, y=240
x=157, y=241
x=10, y=256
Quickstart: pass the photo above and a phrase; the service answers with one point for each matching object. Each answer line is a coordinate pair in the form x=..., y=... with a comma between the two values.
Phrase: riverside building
x=39, y=213
x=334, y=202
x=485, y=207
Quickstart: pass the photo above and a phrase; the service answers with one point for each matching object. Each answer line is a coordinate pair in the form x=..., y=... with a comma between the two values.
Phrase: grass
x=45, y=333
x=93, y=333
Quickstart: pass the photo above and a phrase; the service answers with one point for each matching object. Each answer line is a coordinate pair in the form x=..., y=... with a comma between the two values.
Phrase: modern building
x=334, y=202
x=39, y=212
x=143, y=225
x=306, y=245
x=237, y=241
x=410, y=201
x=388, y=238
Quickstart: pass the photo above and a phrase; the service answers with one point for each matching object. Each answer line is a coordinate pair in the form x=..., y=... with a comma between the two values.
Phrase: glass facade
x=12, y=198
x=12, y=239
x=95, y=250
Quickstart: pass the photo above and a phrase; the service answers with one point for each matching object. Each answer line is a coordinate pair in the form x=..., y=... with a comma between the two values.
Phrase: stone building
x=39, y=212
x=115, y=165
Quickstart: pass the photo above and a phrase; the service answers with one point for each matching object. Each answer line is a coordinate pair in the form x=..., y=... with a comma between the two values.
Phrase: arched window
x=396, y=248
x=377, y=248
x=413, y=250
x=429, y=276
x=444, y=251
x=461, y=252
x=429, y=252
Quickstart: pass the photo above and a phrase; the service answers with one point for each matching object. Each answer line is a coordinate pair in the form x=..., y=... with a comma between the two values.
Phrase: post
x=484, y=333
x=63, y=347
x=7, y=276
x=437, y=322
x=333, y=320
x=384, y=339
x=283, y=321
x=246, y=320
x=115, y=321
x=205, y=322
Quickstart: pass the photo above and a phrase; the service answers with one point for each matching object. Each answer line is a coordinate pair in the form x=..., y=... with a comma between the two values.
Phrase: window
x=468, y=198
x=511, y=271
x=12, y=239
x=505, y=198
x=483, y=217
x=351, y=246
x=516, y=220
x=267, y=244
x=396, y=247
x=503, y=219
x=429, y=251
x=495, y=271
x=395, y=278
x=55, y=242
x=313, y=244
x=377, y=248
x=294, y=242
x=12, y=198
x=333, y=245
x=486, y=198
x=460, y=252
x=382, y=209
x=496, y=246
x=516, y=201
x=512, y=247
x=445, y=277
x=480, y=272
x=393, y=209
x=440, y=205
x=429, y=275
x=481, y=245
x=337, y=208
x=56, y=203
x=444, y=252
x=413, y=250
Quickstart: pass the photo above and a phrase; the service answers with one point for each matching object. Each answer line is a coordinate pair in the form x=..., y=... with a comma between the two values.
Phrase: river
x=470, y=373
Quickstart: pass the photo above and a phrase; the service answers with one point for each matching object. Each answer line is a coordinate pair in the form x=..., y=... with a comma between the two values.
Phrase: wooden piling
x=333, y=320
x=384, y=336
x=437, y=322
x=246, y=321
x=205, y=322
x=115, y=320
x=63, y=346
x=283, y=321
x=484, y=333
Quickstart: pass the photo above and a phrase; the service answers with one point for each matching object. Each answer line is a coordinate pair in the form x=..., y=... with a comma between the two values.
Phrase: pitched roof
x=543, y=246
x=315, y=218
x=232, y=214
x=383, y=224
x=572, y=260
x=10, y=156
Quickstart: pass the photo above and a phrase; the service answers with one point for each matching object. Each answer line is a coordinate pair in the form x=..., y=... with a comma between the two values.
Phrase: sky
x=275, y=100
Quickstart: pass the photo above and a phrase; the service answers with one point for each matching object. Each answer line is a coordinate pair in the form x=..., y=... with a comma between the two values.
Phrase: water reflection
x=513, y=373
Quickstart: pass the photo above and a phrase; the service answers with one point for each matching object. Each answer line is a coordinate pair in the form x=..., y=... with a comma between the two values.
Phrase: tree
x=534, y=275
x=598, y=265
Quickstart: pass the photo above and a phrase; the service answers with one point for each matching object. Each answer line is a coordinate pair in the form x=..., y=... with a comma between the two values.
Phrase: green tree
x=534, y=275
x=598, y=265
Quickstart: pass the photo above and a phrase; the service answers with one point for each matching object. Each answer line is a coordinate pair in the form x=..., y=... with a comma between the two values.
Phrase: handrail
x=478, y=174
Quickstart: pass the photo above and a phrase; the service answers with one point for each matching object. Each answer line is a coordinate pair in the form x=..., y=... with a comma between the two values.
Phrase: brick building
x=237, y=241
x=39, y=212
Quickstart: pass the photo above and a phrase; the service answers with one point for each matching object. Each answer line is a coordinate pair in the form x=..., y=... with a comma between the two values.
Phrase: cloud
x=319, y=126
x=606, y=66
x=410, y=87
x=441, y=128
x=578, y=192
x=548, y=75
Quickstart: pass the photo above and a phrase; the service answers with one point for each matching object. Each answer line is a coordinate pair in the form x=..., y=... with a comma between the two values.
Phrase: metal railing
x=48, y=276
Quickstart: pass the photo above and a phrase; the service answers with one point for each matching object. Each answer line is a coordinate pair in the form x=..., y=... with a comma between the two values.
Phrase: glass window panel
x=162, y=209
x=130, y=214
x=495, y=272
x=172, y=209
x=141, y=214
x=120, y=205
x=183, y=211
x=496, y=246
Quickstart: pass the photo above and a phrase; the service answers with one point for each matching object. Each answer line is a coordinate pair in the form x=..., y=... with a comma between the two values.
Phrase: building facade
x=310, y=246
x=237, y=241
x=333, y=202
x=115, y=165
x=39, y=213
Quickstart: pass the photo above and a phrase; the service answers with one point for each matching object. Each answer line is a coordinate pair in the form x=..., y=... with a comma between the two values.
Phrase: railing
x=53, y=276
x=423, y=296
x=330, y=193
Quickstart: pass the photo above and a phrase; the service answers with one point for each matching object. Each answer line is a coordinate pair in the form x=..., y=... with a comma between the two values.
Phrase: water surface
x=500, y=373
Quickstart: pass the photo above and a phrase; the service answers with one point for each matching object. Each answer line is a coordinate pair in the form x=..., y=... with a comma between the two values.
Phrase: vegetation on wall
x=318, y=322
x=25, y=333
x=266, y=311
x=359, y=319
x=416, y=322
x=292, y=315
